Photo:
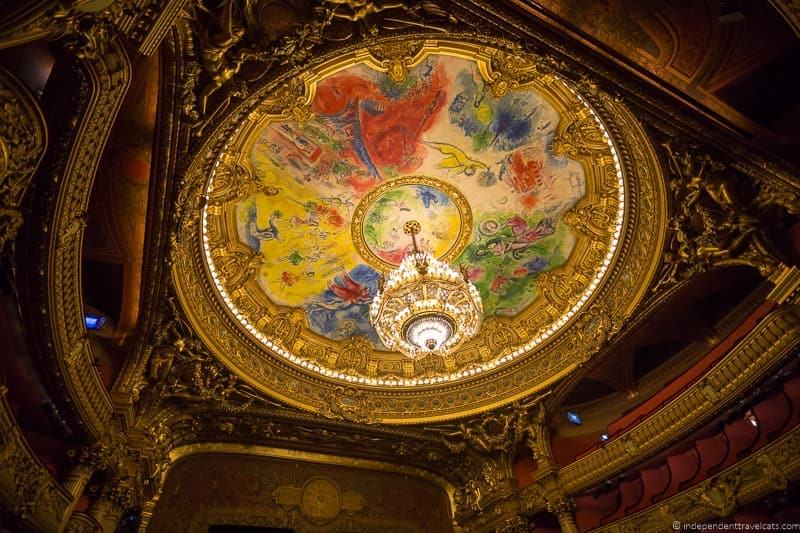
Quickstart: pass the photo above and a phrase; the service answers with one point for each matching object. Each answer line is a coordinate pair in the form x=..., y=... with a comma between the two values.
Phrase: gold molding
x=787, y=283
x=27, y=488
x=768, y=470
x=109, y=76
x=364, y=205
x=183, y=452
x=763, y=350
x=625, y=285
x=23, y=140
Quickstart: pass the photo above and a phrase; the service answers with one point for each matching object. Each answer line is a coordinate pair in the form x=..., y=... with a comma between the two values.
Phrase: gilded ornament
x=770, y=471
x=709, y=391
x=498, y=335
x=714, y=225
x=236, y=268
x=354, y=354
x=320, y=500
x=233, y=181
x=719, y=494
x=559, y=288
x=220, y=53
x=23, y=138
x=582, y=137
x=630, y=445
x=291, y=101
x=286, y=327
x=510, y=70
x=83, y=31
x=560, y=506
x=388, y=393
x=592, y=219
x=516, y=524
x=396, y=58
x=349, y=403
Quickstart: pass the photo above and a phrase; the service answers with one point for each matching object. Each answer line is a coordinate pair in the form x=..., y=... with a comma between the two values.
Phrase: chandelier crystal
x=424, y=305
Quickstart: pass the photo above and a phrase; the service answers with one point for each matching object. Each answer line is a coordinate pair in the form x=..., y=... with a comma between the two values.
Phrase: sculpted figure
x=217, y=39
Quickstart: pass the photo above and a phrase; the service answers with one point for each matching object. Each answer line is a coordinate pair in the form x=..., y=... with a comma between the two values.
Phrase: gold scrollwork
x=23, y=138
x=236, y=268
x=286, y=327
x=396, y=58
x=592, y=219
x=390, y=403
x=354, y=355
x=511, y=70
x=581, y=137
x=291, y=100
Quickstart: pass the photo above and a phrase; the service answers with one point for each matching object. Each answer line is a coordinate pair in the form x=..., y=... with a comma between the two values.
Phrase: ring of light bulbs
x=444, y=378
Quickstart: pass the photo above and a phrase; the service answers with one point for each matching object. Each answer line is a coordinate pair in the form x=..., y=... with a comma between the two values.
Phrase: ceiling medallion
x=515, y=180
x=381, y=213
x=425, y=306
x=494, y=175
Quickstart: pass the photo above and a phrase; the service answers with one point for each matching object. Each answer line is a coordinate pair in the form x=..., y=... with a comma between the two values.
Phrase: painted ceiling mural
x=476, y=171
x=514, y=176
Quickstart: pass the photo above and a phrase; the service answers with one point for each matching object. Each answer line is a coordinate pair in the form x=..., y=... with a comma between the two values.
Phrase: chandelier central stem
x=412, y=227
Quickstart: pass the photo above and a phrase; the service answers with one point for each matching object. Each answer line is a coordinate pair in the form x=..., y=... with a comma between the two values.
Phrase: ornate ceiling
x=516, y=175
x=632, y=249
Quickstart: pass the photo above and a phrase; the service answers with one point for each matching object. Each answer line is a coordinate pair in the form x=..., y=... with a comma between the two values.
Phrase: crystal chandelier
x=424, y=305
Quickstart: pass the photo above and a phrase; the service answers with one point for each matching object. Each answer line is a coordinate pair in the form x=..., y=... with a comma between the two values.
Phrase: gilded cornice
x=26, y=486
x=478, y=479
x=766, y=471
x=56, y=293
x=209, y=448
x=173, y=134
x=23, y=139
x=790, y=11
x=614, y=301
x=87, y=33
x=762, y=351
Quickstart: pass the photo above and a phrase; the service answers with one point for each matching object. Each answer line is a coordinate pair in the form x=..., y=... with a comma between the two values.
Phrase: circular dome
x=515, y=180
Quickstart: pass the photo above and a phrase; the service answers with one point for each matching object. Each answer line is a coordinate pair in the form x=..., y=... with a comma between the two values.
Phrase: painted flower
x=537, y=264
x=520, y=272
x=475, y=273
x=288, y=278
x=498, y=284
x=348, y=290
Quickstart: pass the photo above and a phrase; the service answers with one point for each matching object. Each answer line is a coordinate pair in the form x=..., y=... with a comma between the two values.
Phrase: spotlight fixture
x=750, y=417
x=574, y=418
x=94, y=322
